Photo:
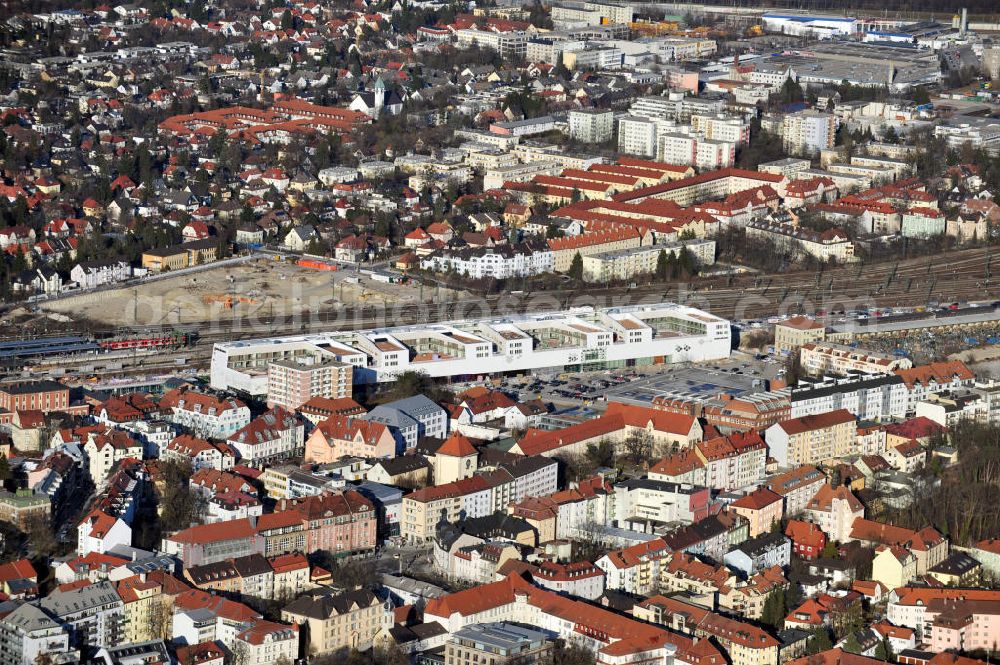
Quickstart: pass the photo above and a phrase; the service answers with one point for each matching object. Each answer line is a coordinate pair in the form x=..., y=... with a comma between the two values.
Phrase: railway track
x=960, y=275
x=964, y=275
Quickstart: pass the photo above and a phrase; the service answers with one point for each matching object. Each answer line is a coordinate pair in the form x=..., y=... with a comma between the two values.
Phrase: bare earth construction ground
x=259, y=288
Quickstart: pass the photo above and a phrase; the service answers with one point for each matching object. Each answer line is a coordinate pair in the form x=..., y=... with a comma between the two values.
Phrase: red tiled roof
x=800, y=323
x=210, y=533
x=914, y=428
x=758, y=499
x=805, y=533
x=818, y=421
x=17, y=570
x=940, y=372
x=456, y=445
x=835, y=657
x=449, y=490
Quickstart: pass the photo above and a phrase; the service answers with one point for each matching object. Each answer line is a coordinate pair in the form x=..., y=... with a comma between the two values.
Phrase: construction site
x=263, y=288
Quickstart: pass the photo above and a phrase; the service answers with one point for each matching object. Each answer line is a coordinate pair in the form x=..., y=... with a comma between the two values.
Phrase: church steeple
x=379, y=93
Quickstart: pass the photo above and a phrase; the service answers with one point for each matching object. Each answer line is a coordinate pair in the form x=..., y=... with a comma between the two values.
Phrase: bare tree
x=637, y=447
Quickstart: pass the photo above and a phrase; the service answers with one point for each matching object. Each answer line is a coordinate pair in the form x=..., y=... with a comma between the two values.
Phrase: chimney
x=963, y=25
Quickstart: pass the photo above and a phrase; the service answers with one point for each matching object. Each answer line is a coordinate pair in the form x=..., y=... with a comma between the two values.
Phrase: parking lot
x=694, y=382
x=639, y=385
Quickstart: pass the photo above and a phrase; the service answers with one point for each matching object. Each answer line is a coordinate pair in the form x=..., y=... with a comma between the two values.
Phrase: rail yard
x=965, y=276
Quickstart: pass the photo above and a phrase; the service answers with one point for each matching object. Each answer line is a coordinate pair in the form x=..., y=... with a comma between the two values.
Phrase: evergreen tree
x=774, y=610
x=576, y=267
x=883, y=650
x=686, y=262
x=662, y=266
x=791, y=92
x=851, y=644
x=819, y=642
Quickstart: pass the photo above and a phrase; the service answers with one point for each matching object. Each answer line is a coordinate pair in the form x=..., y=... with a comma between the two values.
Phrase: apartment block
x=292, y=383
x=807, y=132
x=591, y=125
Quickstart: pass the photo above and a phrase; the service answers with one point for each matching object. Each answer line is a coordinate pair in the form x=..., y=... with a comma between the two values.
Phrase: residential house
x=834, y=510
x=205, y=415
x=340, y=436
x=812, y=439
x=757, y=554
x=274, y=435
x=348, y=620
x=762, y=508
x=92, y=274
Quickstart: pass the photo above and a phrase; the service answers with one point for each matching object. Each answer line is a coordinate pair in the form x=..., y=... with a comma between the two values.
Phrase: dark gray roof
x=800, y=393
x=403, y=464
x=326, y=605
x=252, y=565
x=30, y=618
x=68, y=603
x=416, y=406
x=496, y=525
x=957, y=563
x=761, y=544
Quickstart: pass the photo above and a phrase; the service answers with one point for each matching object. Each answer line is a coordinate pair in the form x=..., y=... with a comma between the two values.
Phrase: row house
x=92, y=274
x=476, y=496
x=711, y=537
x=280, y=578
x=582, y=579
x=342, y=523
x=949, y=619
x=732, y=461
x=868, y=397
x=744, y=643
x=635, y=569
x=337, y=622
x=200, y=616
x=664, y=429
x=583, y=507
x=613, y=638
x=923, y=380
x=107, y=448
x=767, y=550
